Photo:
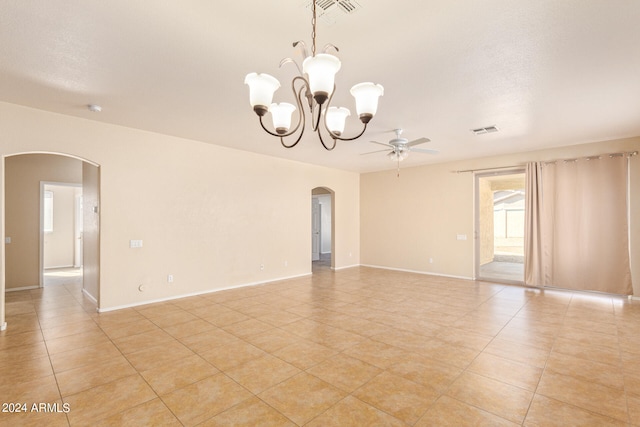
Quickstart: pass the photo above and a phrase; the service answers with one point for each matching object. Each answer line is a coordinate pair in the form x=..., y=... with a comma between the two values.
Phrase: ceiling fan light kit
x=316, y=83
x=398, y=156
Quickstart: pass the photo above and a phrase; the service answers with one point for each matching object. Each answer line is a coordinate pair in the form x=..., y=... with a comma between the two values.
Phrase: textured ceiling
x=545, y=72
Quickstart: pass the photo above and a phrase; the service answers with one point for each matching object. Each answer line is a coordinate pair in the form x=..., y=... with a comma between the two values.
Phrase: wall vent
x=482, y=131
x=329, y=11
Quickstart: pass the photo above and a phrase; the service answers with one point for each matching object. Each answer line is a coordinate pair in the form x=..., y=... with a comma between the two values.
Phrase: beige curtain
x=533, y=261
x=581, y=236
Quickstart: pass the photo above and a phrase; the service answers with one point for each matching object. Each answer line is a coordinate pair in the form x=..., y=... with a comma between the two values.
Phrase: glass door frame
x=476, y=226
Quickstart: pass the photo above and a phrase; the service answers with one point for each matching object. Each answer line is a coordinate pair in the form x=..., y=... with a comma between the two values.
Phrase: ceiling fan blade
x=371, y=152
x=424, y=150
x=417, y=141
x=381, y=143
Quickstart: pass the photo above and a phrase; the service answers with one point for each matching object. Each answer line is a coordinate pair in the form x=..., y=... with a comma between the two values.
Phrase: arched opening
x=50, y=199
x=322, y=229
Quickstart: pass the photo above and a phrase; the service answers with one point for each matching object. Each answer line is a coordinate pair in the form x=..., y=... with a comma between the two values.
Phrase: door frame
x=316, y=229
x=78, y=227
x=476, y=217
x=329, y=192
x=43, y=185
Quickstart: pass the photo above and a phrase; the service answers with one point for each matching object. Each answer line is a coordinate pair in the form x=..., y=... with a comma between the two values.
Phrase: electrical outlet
x=170, y=278
x=430, y=260
x=261, y=267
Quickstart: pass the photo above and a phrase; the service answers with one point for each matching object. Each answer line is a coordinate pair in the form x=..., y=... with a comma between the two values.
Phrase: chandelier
x=315, y=82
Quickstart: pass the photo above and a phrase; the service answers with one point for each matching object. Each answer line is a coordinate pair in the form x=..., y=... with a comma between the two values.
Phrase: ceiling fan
x=399, y=148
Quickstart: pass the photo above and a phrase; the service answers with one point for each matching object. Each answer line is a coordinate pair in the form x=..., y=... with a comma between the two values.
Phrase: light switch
x=135, y=243
x=7, y=239
x=462, y=237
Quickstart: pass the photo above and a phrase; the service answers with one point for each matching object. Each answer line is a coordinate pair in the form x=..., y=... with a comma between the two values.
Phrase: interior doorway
x=500, y=199
x=34, y=182
x=322, y=228
x=61, y=229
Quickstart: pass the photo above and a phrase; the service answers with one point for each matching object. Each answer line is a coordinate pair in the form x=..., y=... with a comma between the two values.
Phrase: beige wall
x=23, y=175
x=420, y=218
x=208, y=215
x=409, y=220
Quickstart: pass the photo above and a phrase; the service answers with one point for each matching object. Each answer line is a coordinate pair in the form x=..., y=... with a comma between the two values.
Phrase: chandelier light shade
x=315, y=84
x=281, y=115
x=261, y=89
x=321, y=71
x=366, y=95
x=336, y=119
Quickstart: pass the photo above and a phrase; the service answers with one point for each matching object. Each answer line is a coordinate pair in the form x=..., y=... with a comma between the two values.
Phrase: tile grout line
x=50, y=362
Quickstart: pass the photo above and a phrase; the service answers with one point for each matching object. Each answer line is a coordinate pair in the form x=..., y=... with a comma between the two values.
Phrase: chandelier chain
x=313, y=30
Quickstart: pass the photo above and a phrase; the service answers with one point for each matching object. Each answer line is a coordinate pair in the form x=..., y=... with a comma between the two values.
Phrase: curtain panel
x=577, y=233
x=533, y=260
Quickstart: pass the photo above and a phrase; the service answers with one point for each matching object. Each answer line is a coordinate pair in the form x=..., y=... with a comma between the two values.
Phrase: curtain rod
x=630, y=154
x=621, y=154
x=490, y=169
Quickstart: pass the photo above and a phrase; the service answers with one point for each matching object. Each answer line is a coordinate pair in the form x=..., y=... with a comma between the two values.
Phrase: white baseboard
x=91, y=297
x=24, y=288
x=193, y=294
x=58, y=267
x=345, y=267
x=426, y=273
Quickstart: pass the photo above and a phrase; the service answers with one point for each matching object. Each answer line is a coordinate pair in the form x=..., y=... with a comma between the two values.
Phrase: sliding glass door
x=499, y=235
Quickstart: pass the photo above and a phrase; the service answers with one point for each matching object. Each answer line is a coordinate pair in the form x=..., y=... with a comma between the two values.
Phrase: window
x=48, y=211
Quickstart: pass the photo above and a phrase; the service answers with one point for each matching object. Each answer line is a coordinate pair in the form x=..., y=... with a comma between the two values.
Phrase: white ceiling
x=545, y=72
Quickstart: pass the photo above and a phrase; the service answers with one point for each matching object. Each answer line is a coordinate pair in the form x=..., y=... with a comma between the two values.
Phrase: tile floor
x=503, y=271
x=358, y=347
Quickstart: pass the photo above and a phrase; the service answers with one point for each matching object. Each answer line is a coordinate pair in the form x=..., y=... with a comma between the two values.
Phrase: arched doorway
x=25, y=177
x=322, y=228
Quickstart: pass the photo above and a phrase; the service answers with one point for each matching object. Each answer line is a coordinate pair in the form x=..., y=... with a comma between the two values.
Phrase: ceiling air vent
x=325, y=4
x=482, y=131
x=348, y=6
x=330, y=10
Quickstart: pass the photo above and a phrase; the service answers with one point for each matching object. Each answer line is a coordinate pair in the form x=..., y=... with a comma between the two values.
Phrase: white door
x=77, y=252
x=315, y=229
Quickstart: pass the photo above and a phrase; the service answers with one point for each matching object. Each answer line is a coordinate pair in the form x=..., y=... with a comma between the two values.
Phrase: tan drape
x=533, y=261
x=581, y=237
